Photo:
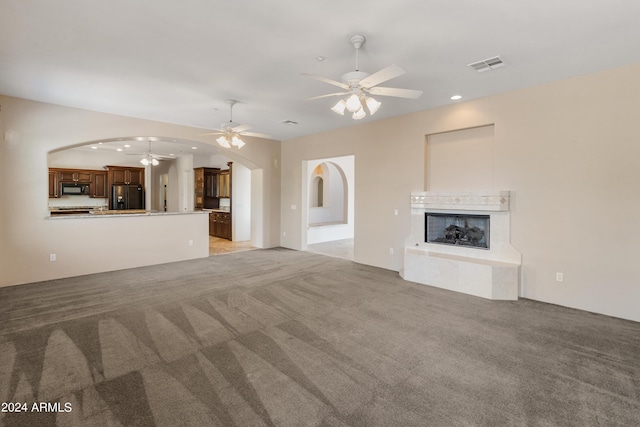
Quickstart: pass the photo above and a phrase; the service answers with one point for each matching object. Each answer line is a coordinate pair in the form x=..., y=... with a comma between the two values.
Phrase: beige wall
x=567, y=150
x=29, y=130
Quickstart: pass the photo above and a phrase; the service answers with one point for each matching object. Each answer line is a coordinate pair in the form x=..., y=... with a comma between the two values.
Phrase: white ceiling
x=178, y=62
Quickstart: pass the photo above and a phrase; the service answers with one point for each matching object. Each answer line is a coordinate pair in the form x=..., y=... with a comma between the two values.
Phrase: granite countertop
x=116, y=213
x=216, y=210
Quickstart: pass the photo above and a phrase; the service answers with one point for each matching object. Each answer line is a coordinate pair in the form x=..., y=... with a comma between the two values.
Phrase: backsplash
x=77, y=201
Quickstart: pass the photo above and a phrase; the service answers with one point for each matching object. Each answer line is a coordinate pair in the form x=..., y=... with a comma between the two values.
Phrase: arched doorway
x=329, y=206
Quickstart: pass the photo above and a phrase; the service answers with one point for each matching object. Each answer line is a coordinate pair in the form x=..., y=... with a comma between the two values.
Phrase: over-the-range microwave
x=74, y=189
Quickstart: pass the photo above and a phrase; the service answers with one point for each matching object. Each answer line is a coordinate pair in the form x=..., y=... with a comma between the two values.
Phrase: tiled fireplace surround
x=492, y=273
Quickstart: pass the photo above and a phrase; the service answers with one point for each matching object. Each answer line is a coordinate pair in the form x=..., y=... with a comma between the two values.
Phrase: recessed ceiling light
x=127, y=146
x=194, y=148
x=118, y=149
x=94, y=147
x=456, y=97
x=320, y=58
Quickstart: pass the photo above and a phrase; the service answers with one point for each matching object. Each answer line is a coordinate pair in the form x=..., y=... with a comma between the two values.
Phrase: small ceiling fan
x=360, y=85
x=151, y=158
x=231, y=132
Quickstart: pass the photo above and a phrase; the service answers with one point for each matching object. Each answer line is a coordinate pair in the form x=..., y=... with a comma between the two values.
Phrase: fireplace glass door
x=457, y=229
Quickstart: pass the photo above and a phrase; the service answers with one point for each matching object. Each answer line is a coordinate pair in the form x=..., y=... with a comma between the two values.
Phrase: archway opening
x=329, y=206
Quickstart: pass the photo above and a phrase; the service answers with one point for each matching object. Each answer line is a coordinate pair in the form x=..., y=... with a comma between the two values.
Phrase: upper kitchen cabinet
x=118, y=175
x=74, y=175
x=224, y=184
x=206, y=188
x=54, y=190
x=96, y=180
x=99, y=185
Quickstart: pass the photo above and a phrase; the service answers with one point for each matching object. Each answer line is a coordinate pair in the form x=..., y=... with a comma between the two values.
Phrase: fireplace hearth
x=457, y=229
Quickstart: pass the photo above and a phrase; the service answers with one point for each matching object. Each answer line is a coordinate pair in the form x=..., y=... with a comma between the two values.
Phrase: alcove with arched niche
x=330, y=199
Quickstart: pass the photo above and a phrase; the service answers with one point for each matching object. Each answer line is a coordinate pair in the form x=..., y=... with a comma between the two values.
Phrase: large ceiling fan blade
x=257, y=135
x=326, y=80
x=241, y=128
x=327, y=95
x=393, y=91
x=381, y=76
x=162, y=156
x=217, y=132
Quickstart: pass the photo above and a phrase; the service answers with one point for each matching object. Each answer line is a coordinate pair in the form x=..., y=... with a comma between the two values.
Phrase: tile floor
x=218, y=246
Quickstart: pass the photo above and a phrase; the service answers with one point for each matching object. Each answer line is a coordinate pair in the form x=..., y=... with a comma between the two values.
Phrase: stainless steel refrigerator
x=127, y=197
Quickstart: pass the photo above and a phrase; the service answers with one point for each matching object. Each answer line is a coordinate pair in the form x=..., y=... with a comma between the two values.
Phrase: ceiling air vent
x=487, y=64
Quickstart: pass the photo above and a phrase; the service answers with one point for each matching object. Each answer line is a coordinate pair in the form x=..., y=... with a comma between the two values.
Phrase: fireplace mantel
x=487, y=200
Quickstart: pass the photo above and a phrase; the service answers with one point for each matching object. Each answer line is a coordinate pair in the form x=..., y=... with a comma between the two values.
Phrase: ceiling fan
x=231, y=132
x=151, y=158
x=359, y=86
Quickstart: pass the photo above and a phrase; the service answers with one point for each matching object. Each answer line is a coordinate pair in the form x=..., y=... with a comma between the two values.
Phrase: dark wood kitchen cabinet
x=224, y=184
x=98, y=186
x=220, y=224
x=75, y=175
x=97, y=180
x=54, y=190
x=117, y=175
x=205, y=188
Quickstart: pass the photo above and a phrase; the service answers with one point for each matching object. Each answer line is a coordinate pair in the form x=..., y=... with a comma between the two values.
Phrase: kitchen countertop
x=215, y=210
x=120, y=213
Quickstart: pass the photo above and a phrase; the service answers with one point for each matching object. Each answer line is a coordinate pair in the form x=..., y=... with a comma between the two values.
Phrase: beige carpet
x=283, y=338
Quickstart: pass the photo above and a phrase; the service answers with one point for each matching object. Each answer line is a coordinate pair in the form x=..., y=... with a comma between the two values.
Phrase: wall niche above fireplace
x=458, y=229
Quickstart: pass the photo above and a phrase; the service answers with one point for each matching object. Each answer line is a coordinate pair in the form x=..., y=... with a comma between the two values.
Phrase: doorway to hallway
x=328, y=206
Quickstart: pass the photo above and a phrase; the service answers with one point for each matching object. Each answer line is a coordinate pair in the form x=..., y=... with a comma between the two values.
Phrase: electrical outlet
x=284, y=234
x=559, y=277
x=52, y=257
x=390, y=251
x=190, y=242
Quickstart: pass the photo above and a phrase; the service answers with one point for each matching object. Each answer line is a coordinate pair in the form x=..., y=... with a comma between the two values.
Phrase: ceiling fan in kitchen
x=150, y=158
x=231, y=133
x=359, y=86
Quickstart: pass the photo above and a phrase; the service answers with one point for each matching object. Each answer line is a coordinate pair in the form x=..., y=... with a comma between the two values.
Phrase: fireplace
x=457, y=229
x=460, y=240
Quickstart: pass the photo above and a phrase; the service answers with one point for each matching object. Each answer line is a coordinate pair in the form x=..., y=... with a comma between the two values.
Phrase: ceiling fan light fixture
x=373, y=105
x=360, y=114
x=150, y=161
x=353, y=103
x=339, y=107
x=222, y=141
x=358, y=84
x=237, y=142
